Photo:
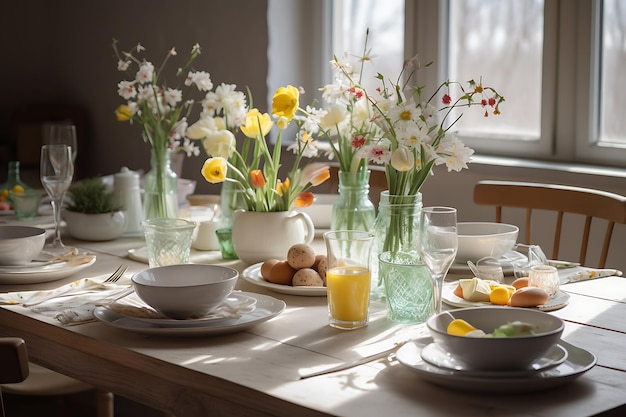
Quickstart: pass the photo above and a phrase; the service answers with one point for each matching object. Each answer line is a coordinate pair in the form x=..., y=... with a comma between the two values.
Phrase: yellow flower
x=285, y=102
x=124, y=113
x=214, y=170
x=251, y=127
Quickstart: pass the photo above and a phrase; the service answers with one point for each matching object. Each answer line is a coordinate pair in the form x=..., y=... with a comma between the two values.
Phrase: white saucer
x=252, y=274
x=436, y=355
x=266, y=308
x=35, y=272
x=558, y=301
x=578, y=362
x=248, y=304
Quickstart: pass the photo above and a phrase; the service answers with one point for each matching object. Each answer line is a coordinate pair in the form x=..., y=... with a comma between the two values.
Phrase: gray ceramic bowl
x=490, y=353
x=20, y=244
x=187, y=290
x=481, y=239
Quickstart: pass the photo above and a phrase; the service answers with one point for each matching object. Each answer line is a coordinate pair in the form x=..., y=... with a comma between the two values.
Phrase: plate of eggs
x=479, y=292
x=302, y=272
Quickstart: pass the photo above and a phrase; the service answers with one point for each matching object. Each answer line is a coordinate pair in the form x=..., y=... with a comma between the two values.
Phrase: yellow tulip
x=402, y=159
x=124, y=113
x=214, y=170
x=251, y=126
x=285, y=102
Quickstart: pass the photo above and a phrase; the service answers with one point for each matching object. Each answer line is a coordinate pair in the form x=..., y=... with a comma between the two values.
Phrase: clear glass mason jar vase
x=396, y=229
x=161, y=187
x=353, y=210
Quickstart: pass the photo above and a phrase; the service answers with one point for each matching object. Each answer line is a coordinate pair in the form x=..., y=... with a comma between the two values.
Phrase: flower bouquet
x=162, y=112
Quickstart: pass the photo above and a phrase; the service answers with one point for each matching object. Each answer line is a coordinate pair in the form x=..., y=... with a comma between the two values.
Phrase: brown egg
x=307, y=277
x=458, y=291
x=321, y=266
x=281, y=273
x=528, y=297
x=301, y=256
x=266, y=267
x=520, y=283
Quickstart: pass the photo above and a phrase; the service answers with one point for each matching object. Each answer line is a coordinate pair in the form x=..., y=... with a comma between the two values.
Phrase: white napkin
x=581, y=273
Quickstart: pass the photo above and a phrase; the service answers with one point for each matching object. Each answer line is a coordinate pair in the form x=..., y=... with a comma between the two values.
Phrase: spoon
x=473, y=268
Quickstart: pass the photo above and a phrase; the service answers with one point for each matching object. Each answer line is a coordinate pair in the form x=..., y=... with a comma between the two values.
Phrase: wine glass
x=438, y=244
x=61, y=134
x=57, y=169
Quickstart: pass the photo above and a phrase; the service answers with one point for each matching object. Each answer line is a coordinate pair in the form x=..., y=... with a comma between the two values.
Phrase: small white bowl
x=187, y=290
x=496, y=353
x=481, y=239
x=20, y=244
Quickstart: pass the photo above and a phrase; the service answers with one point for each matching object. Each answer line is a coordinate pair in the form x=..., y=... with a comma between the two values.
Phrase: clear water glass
x=168, y=241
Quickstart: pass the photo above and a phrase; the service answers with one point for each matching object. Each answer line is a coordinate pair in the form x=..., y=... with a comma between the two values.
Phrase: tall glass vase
x=353, y=210
x=396, y=230
x=161, y=187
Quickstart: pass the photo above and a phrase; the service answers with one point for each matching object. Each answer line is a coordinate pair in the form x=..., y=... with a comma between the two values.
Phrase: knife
x=356, y=362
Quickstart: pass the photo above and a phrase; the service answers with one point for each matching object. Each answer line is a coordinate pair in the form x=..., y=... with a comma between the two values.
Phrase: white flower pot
x=95, y=227
x=259, y=236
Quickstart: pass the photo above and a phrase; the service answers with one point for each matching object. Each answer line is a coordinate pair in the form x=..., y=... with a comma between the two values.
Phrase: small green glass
x=225, y=239
x=26, y=203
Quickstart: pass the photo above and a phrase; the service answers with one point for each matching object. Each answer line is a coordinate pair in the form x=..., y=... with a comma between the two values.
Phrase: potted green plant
x=90, y=213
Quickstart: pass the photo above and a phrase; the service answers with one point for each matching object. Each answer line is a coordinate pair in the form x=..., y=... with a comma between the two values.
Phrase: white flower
x=178, y=130
x=404, y=113
x=123, y=65
x=332, y=93
x=172, y=96
x=201, y=128
x=453, y=153
x=220, y=143
x=377, y=153
x=189, y=148
x=126, y=89
x=335, y=114
x=201, y=79
x=402, y=159
x=145, y=73
x=306, y=144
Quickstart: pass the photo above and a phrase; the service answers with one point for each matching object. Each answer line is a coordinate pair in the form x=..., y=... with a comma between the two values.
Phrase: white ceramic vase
x=259, y=236
x=95, y=227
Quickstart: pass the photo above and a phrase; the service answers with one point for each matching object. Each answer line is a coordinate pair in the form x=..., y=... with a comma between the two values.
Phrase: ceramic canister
x=126, y=193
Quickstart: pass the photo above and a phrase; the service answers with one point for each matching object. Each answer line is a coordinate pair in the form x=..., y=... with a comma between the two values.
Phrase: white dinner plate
x=436, y=355
x=252, y=274
x=236, y=298
x=266, y=308
x=560, y=299
x=506, y=261
x=35, y=273
x=578, y=362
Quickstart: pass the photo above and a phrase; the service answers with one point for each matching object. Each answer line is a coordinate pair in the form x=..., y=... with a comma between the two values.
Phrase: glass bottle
x=353, y=210
x=13, y=180
x=161, y=187
x=230, y=200
x=396, y=230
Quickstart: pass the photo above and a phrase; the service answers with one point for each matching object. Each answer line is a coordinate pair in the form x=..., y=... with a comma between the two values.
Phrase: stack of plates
x=563, y=363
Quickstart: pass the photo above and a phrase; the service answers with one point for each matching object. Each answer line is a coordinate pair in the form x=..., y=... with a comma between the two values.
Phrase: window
x=561, y=67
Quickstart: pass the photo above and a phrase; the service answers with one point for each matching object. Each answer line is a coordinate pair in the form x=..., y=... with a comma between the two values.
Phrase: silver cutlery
x=356, y=362
x=115, y=276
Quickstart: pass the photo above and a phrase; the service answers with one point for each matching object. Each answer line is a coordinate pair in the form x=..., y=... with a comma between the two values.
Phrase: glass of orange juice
x=348, y=277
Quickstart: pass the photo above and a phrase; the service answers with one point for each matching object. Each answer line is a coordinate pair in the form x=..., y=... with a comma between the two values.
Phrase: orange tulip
x=304, y=199
x=257, y=178
x=320, y=175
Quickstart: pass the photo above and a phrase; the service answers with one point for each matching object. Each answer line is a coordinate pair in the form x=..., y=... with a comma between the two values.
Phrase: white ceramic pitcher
x=259, y=236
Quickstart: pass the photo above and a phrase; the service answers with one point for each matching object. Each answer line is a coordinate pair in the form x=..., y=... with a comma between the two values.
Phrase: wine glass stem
x=437, y=288
x=56, y=210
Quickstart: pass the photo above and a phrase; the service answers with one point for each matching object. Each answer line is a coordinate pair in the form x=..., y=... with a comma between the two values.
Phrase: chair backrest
x=13, y=360
x=561, y=199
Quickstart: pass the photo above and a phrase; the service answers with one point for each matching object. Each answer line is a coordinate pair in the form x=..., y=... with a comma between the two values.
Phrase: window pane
x=613, y=72
x=502, y=41
x=385, y=20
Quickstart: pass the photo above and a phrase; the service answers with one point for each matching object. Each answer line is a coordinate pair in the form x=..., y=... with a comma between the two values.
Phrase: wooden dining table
x=256, y=372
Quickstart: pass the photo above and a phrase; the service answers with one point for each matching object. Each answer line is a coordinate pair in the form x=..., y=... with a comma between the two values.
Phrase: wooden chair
x=560, y=199
x=13, y=360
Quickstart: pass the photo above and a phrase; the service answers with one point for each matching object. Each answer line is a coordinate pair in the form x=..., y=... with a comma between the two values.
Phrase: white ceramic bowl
x=495, y=353
x=20, y=244
x=95, y=227
x=187, y=290
x=480, y=239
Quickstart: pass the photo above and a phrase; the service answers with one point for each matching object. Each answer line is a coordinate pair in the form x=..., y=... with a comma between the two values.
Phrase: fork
x=115, y=276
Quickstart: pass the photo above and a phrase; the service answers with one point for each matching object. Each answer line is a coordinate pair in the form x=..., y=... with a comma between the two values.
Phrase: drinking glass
x=348, y=277
x=56, y=170
x=438, y=244
x=61, y=134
